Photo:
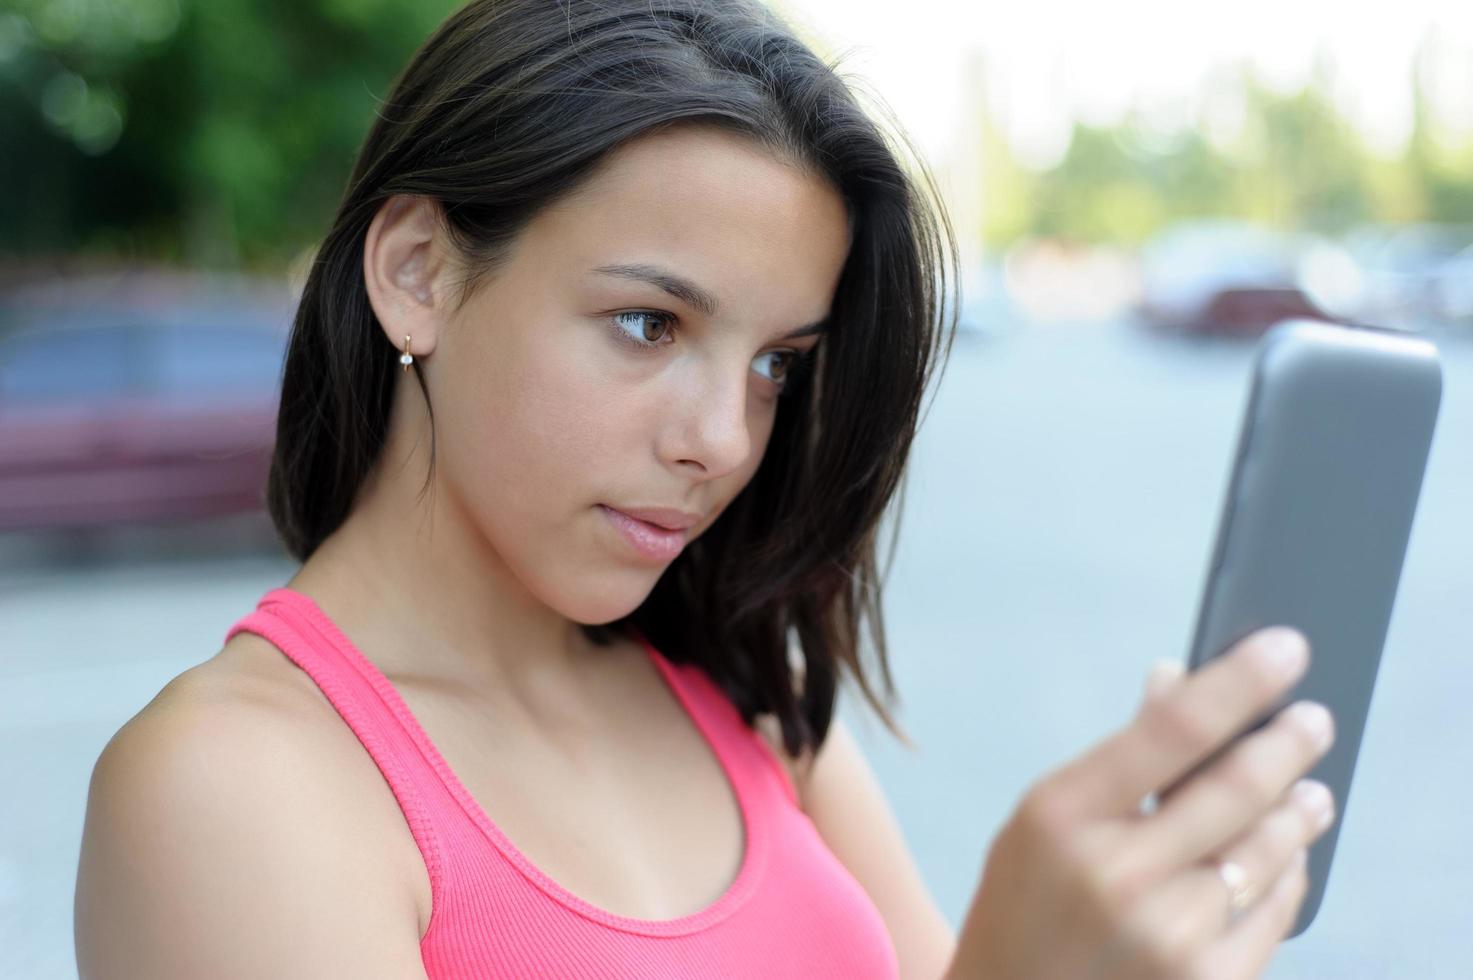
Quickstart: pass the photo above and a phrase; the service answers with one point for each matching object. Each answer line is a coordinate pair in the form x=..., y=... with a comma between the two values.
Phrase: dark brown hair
x=511, y=104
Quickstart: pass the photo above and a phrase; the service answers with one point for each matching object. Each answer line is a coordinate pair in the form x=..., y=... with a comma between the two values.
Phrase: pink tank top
x=793, y=910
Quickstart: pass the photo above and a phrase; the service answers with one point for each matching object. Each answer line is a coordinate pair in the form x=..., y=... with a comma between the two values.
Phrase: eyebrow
x=687, y=292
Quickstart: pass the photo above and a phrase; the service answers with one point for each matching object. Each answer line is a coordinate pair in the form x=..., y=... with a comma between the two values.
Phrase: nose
x=707, y=431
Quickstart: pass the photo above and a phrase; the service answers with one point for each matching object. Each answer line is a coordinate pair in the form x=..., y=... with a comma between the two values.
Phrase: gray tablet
x=1316, y=518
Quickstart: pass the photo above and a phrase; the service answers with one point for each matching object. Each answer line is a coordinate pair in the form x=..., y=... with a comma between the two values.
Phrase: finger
x=1183, y=727
x=1164, y=675
x=1244, y=948
x=1230, y=796
x=1302, y=815
x=1192, y=906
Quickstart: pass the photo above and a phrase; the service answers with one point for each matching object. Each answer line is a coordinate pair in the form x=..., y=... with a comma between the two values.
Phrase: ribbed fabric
x=793, y=911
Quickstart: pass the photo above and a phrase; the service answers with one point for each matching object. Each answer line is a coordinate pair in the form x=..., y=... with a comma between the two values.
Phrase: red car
x=149, y=402
x=1223, y=277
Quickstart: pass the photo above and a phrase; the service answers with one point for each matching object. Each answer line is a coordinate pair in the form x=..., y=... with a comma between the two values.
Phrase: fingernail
x=1313, y=718
x=1163, y=677
x=1315, y=797
x=1284, y=651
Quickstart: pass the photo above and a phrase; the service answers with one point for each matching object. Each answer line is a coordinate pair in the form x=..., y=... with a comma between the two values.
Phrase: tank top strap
x=792, y=910
x=366, y=701
x=744, y=752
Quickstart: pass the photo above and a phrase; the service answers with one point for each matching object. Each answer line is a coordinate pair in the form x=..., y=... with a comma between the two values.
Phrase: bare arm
x=209, y=849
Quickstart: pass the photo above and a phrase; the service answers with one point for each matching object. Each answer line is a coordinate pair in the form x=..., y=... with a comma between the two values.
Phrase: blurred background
x=1139, y=189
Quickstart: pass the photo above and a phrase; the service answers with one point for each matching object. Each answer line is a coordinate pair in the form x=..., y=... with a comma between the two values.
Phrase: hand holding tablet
x=1233, y=857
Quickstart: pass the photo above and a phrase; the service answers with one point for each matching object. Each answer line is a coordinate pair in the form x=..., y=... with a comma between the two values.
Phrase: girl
x=599, y=386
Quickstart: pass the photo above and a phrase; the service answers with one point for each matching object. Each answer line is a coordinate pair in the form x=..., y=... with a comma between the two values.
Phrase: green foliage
x=212, y=132
x=1294, y=163
x=221, y=132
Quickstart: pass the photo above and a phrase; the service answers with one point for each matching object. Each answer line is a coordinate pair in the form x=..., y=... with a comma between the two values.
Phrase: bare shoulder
x=219, y=841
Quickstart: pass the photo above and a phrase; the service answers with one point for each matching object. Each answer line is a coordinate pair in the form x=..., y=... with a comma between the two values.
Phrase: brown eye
x=643, y=327
x=654, y=328
x=777, y=364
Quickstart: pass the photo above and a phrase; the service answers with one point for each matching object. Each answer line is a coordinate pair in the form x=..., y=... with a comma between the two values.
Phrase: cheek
x=530, y=442
x=546, y=423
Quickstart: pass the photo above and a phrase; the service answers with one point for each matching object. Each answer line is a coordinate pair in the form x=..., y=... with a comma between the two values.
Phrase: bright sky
x=1046, y=63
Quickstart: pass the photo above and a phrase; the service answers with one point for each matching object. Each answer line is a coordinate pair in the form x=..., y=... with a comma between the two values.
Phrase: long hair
x=509, y=105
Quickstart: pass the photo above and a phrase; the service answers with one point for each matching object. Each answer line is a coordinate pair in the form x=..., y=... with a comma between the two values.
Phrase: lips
x=668, y=518
x=653, y=533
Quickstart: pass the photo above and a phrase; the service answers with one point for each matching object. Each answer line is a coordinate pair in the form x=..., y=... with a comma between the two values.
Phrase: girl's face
x=626, y=362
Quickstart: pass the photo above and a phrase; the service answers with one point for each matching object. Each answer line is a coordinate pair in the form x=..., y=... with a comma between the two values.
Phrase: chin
x=606, y=600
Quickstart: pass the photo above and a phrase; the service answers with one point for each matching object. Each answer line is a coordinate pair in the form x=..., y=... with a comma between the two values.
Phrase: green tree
x=1297, y=163
x=235, y=120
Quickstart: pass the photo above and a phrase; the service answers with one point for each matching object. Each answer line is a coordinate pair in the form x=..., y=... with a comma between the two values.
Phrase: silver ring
x=1240, y=891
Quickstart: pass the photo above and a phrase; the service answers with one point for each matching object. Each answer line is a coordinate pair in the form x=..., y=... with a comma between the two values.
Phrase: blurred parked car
x=1454, y=289
x=137, y=398
x=1405, y=272
x=1223, y=277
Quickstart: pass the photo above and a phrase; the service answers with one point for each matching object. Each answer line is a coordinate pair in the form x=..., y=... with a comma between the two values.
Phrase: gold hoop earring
x=406, y=358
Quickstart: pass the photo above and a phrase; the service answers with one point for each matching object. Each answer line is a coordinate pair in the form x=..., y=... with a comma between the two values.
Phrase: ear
x=405, y=270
